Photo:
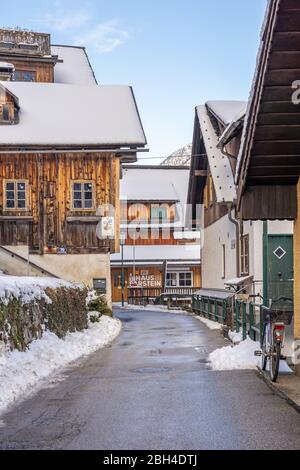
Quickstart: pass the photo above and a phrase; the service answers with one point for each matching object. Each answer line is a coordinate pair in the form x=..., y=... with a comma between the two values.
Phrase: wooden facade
x=30, y=53
x=154, y=284
x=49, y=221
x=156, y=246
x=39, y=71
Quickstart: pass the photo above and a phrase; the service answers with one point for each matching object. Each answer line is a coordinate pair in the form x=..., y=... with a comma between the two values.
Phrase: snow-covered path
x=22, y=373
x=153, y=389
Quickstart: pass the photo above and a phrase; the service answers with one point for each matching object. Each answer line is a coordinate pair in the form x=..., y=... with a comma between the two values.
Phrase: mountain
x=181, y=157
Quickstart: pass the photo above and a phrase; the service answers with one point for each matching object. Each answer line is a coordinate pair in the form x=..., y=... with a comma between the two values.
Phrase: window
x=24, y=76
x=171, y=280
x=206, y=197
x=185, y=280
x=211, y=190
x=6, y=45
x=245, y=255
x=180, y=279
x=83, y=195
x=223, y=261
x=4, y=113
x=159, y=214
x=29, y=47
x=15, y=195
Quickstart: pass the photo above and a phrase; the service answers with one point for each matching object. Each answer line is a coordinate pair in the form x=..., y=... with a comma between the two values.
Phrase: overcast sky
x=175, y=53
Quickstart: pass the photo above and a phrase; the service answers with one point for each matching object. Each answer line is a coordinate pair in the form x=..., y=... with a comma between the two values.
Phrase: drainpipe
x=237, y=227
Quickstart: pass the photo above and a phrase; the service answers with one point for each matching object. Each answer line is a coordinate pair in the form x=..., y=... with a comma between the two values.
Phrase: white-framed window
x=179, y=279
x=83, y=195
x=245, y=255
x=15, y=195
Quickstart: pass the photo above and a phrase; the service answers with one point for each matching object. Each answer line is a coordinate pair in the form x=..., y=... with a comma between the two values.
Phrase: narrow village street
x=152, y=389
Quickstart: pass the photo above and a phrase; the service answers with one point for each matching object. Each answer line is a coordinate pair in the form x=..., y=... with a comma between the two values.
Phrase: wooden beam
x=201, y=172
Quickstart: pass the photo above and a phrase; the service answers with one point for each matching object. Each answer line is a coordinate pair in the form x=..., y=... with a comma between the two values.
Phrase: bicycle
x=274, y=321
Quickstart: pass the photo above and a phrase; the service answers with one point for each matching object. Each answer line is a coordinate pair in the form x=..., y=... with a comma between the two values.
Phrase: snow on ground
x=150, y=308
x=235, y=337
x=28, y=288
x=212, y=325
x=23, y=372
x=235, y=357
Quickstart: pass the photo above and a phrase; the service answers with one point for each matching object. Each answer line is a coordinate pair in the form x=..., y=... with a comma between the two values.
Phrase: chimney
x=6, y=71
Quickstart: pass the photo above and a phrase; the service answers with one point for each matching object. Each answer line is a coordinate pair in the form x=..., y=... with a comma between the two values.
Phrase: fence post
x=251, y=321
x=237, y=319
x=216, y=310
x=244, y=320
x=224, y=311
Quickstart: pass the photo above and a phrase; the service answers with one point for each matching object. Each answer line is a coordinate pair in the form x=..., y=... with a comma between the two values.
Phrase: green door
x=280, y=266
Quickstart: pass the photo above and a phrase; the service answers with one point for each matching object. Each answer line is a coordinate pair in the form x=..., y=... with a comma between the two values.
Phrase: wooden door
x=116, y=283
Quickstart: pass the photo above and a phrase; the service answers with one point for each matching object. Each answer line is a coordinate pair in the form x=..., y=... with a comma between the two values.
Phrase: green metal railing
x=212, y=308
x=248, y=319
x=245, y=316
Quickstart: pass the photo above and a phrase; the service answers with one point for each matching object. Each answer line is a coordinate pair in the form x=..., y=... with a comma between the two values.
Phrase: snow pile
x=212, y=325
x=235, y=337
x=235, y=357
x=28, y=288
x=92, y=295
x=22, y=372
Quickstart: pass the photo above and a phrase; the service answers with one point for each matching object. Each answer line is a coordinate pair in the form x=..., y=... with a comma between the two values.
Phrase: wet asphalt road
x=152, y=389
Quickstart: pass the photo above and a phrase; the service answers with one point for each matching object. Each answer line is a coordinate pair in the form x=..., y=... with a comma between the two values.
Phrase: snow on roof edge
x=219, y=165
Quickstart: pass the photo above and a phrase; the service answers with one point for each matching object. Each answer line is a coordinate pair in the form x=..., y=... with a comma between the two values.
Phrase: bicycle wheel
x=275, y=359
x=264, y=357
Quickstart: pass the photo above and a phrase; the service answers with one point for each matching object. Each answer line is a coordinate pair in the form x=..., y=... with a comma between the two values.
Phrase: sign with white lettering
x=148, y=281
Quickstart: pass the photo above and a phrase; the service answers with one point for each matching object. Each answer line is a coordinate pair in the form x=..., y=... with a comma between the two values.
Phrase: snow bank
x=28, y=288
x=235, y=357
x=23, y=372
x=235, y=337
x=212, y=325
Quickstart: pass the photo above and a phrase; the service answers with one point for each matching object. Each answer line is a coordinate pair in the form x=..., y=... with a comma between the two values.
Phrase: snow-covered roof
x=227, y=111
x=158, y=253
x=59, y=115
x=237, y=281
x=219, y=164
x=6, y=65
x=181, y=157
x=75, y=68
x=154, y=184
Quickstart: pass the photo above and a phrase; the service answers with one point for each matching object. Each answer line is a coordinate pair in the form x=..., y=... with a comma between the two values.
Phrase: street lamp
x=122, y=243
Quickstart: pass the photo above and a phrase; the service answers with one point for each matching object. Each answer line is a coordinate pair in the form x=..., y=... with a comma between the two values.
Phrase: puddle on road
x=151, y=370
x=201, y=350
x=163, y=328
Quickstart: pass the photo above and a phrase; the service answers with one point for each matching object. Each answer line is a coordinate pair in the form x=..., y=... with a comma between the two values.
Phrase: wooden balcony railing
x=170, y=295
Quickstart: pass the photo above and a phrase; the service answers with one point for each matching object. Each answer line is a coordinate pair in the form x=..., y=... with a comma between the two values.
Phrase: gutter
x=237, y=227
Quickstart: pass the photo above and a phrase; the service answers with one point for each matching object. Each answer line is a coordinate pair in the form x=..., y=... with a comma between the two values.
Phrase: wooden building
x=160, y=255
x=268, y=166
x=63, y=141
